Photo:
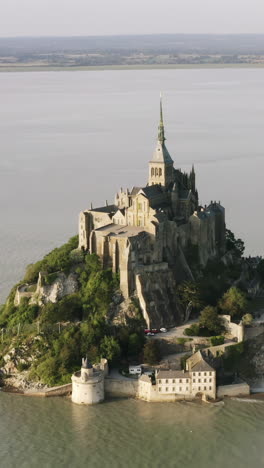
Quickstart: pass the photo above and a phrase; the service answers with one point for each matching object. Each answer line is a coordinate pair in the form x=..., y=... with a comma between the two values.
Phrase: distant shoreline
x=39, y=68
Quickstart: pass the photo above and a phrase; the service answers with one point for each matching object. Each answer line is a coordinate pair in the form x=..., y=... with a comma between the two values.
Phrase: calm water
x=67, y=139
x=127, y=433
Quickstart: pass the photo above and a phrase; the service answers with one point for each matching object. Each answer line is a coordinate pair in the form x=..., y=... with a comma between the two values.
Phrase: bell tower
x=161, y=164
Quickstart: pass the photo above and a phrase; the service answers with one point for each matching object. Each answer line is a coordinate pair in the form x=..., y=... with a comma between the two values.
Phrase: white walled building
x=171, y=385
x=171, y=381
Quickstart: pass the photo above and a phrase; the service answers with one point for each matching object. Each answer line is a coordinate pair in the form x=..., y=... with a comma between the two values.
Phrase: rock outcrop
x=158, y=299
x=62, y=286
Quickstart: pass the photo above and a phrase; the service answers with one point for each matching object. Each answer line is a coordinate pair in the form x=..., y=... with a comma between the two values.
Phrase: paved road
x=176, y=332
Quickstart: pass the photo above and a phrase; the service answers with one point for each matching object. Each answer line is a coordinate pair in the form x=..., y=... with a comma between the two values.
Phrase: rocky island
x=154, y=259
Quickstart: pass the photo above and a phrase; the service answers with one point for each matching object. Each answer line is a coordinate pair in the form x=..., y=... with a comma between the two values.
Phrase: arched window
x=152, y=171
x=156, y=171
x=160, y=172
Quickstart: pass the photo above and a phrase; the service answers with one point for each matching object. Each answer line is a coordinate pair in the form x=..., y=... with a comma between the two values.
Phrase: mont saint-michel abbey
x=148, y=233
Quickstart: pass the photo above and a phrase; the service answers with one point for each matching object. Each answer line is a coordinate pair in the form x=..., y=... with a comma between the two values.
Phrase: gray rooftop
x=135, y=190
x=120, y=231
x=106, y=209
x=161, y=154
x=202, y=366
x=152, y=191
x=172, y=374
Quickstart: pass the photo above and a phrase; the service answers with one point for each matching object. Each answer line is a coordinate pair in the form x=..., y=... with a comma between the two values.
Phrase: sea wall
x=121, y=388
x=59, y=391
x=240, y=389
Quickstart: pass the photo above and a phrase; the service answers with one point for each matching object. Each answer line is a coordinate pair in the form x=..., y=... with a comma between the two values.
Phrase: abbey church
x=147, y=233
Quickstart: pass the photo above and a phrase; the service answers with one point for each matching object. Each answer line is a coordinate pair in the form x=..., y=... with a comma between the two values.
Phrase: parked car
x=163, y=330
x=150, y=334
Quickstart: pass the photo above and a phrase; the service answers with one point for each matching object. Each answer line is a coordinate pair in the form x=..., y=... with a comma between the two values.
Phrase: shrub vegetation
x=58, y=350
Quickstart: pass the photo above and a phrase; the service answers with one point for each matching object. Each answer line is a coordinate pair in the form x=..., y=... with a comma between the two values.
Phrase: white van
x=135, y=370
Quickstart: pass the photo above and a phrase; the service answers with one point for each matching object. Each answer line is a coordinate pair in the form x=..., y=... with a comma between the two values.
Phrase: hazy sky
x=99, y=17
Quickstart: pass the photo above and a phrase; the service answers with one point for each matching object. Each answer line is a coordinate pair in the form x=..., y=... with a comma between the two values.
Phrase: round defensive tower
x=88, y=384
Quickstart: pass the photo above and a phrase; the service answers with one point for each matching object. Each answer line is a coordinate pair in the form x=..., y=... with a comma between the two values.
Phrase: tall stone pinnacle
x=161, y=134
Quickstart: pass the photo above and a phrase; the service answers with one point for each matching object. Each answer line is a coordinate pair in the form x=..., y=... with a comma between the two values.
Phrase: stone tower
x=88, y=383
x=161, y=165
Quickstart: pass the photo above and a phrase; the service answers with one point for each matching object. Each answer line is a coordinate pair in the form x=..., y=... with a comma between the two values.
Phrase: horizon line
x=134, y=35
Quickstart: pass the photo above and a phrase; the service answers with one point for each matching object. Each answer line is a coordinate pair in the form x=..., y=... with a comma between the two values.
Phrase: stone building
x=148, y=233
x=199, y=379
x=88, y=383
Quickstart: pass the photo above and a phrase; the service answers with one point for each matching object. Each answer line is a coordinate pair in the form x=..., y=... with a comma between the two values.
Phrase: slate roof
x=135, y=190
x=185, y=194
x=152, y=191
x=202, y=366
x=118, y=230
x=121, y=210
x=106, y=209
x=172, y=374
x=215, y=207
x=161, y=154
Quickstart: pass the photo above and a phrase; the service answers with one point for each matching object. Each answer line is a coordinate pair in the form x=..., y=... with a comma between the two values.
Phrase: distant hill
x=180, y=43
x=160, y=49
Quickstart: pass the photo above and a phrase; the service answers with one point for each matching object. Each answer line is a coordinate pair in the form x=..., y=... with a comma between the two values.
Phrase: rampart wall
x=234, y=390
x=59, y=391
x=121, y=388
x=234, y=329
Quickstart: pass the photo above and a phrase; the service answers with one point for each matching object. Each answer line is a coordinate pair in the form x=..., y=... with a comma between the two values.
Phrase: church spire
x=161, y=134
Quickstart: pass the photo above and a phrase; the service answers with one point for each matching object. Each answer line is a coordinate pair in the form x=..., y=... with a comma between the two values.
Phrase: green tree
x=58, y=259
x=247, y=319
x=152, y=352
x=210, y=320
x=193, y=330
x=110, y=348
x=69, y=308
x=135, y=343
x=189, y=291
x=217, y=340
x=237, y=245
x=233, y=302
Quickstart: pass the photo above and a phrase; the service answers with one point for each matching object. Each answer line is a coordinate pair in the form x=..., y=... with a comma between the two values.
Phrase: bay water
x=53, y=432
x=71, y=138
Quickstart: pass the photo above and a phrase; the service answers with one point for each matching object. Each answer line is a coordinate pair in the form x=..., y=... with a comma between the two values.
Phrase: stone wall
x=234, y=329
x=62, y=390
x=21, y=293
x=253, y=332
x=156, y=292
x=121, y=388
x=234, y=390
